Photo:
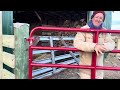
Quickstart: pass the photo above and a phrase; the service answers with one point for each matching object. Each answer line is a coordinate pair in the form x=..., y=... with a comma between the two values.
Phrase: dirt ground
x=111, y=60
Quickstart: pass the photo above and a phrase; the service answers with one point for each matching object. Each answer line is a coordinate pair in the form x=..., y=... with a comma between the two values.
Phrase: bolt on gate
x=93, y=66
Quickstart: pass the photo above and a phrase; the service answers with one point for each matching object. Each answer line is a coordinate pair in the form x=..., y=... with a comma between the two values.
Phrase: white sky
x=116, y=16
x=116, y=20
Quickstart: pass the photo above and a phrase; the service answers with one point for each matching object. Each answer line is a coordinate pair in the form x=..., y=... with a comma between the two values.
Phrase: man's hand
x=99, y=49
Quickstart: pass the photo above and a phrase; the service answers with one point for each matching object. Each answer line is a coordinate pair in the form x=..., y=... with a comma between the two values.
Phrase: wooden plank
x=9, y=59
x=21, y=31
x=7, y=74
x=9, y=41
x=1, y=49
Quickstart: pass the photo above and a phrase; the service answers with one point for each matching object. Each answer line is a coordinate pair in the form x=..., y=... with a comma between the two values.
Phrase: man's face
x=97, y=19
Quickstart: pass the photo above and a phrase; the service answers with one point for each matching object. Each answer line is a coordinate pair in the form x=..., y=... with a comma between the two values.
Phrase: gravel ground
x=111, y=60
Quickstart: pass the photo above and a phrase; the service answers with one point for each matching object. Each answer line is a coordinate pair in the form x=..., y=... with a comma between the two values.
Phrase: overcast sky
x=116, y=20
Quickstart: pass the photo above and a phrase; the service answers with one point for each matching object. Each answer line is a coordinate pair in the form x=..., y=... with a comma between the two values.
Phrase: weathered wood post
x=21, y=32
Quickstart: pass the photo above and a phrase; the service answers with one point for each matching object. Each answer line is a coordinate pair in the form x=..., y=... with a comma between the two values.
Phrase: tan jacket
x=84, y=42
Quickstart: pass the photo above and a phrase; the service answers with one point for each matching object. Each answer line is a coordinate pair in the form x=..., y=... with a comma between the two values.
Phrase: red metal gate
x=93, y=67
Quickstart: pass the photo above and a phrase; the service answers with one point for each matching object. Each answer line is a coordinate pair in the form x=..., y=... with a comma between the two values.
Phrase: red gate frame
x=93, y=67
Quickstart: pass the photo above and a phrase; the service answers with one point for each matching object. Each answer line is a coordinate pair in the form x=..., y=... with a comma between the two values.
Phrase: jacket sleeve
x=109, y=43
x=79, y=43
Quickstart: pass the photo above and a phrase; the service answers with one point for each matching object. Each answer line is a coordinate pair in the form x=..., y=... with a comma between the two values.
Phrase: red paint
x=93, y=67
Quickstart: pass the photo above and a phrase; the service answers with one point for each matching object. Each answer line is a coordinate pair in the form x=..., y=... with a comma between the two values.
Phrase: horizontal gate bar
x=76, y=66
x=64, y=49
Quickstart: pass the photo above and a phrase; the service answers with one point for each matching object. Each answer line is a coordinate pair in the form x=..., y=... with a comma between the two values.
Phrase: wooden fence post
x=21, y=32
